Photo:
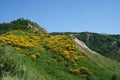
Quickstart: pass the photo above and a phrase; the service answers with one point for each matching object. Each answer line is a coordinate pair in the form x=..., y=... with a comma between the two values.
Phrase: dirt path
x=96, y=58
x=81, y=44
x=87, y=52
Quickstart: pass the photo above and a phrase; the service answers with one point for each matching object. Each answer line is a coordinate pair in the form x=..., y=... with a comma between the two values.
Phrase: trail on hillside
x=83, y=47
x=87, y=51
x=81, y=44
x=96, y=58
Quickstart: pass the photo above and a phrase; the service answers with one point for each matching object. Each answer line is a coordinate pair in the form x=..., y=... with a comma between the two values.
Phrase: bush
x=75, y=71
x=85, y=70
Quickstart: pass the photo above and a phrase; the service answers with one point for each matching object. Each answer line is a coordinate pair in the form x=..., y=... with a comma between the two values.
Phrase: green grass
x=18, y=65
x=103, y=68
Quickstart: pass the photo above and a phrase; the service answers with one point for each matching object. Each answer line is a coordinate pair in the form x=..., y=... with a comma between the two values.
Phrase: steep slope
x=104, y=44
x=80, y=43
x=33, y=56
x=106, y=64
x=28, y=54
x=107, y=45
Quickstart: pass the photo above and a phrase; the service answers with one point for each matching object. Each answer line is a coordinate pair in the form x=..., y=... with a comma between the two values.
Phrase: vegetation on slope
x=35, y=48
x=36, y=55
x=20, y=24
x=105, y=44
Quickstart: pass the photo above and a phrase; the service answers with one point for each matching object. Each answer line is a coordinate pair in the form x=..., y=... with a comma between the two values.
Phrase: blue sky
x=102, y=16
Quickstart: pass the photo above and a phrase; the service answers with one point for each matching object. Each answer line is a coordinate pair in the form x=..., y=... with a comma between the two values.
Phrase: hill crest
x=21, y=24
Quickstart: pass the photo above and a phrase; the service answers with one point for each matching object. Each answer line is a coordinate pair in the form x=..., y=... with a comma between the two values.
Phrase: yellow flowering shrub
x=35, y=37
x=18, y=41
x=75, y=64
x=75, y=71
x=64, y=45
x=17, y=48
x=21, y=41
x=81, y=57
x=85, y=71
x=82, y=70
x=33, y=56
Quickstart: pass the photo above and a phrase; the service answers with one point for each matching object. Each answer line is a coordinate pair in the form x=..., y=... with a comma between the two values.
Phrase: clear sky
x=102, y=16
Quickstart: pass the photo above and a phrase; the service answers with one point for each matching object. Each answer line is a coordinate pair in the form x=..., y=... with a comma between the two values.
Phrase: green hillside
x=21, y=24
x=28, y=52
x=107, y=45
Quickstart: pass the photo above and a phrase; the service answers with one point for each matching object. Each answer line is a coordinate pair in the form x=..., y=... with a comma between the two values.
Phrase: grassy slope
x=106, y=45
x=18, y=64
x=48, y=65
x=20, y=67
x=101, y=66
